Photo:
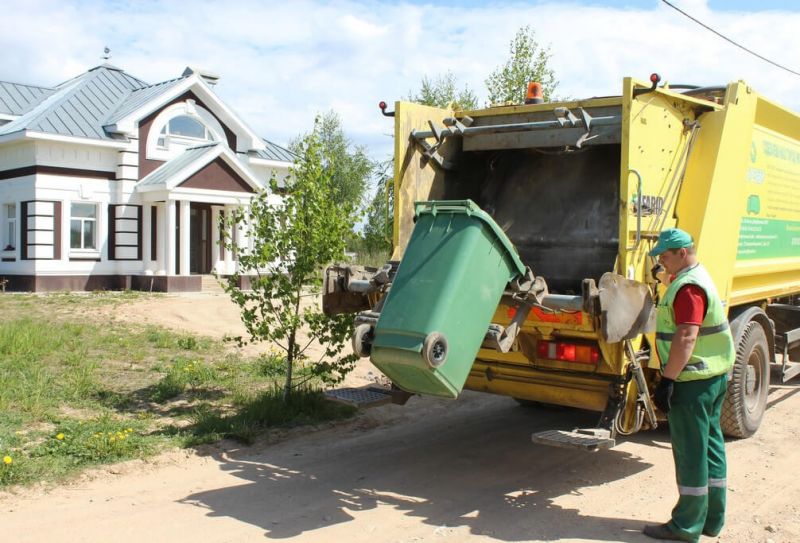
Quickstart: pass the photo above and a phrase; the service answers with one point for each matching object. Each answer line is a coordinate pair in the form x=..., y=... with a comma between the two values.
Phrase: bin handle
x=638, y=212
x=444, y=205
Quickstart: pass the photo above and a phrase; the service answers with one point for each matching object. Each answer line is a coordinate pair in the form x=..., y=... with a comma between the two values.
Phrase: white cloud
x=281, y=63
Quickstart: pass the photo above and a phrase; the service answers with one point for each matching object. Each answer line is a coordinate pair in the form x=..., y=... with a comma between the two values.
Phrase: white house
x=107, y=182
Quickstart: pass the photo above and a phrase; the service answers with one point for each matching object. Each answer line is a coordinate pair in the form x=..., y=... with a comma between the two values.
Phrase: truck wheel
x=362, y=340
x=747, y=390
x=434, y=350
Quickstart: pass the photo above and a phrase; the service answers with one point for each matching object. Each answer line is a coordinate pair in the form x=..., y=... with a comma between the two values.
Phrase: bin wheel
x=746, y=399
x=434, y=350
x=362, y=340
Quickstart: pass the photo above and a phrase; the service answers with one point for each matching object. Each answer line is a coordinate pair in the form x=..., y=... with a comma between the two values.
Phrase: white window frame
x=182, y=109
x=9, y=242
x=181, y=140
x=85, y=251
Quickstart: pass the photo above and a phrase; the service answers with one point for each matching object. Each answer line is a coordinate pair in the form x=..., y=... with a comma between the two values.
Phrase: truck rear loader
x=520, y=259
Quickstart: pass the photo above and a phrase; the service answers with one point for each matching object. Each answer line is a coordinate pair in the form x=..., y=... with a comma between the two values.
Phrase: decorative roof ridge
x=107, y=66
x=94, y=72
x=173, y=80
x=57, y=97
x=28, y=85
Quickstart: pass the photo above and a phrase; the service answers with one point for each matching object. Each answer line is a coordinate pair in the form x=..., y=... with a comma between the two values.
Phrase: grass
x=375, y=259
x=81, y=390
x=264, y=410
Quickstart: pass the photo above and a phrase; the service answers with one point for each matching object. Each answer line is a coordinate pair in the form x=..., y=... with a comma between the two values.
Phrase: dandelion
x=7, y=460
x=60, y=436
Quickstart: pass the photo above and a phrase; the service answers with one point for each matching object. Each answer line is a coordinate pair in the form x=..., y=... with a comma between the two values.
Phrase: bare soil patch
x=432, y=471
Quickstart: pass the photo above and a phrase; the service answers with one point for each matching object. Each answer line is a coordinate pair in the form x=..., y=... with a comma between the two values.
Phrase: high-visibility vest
x=713, y=352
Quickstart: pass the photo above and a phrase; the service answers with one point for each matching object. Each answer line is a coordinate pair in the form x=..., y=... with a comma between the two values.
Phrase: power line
x=730, y=40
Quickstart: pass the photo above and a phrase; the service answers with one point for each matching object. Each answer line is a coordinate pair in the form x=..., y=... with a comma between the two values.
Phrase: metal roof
x=16, y=98
x=172, y=167
x=274, y=151
x=84, y=105
x=139, y=97
x=79, y=107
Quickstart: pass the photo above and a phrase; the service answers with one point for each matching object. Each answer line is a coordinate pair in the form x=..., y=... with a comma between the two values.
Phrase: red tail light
x=568, y=352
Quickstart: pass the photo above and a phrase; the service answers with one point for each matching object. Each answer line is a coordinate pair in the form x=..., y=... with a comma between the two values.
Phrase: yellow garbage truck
x=568, y=198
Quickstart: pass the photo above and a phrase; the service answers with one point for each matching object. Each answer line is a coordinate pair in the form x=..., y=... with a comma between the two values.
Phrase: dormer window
x=183, y=131
x=181, y=126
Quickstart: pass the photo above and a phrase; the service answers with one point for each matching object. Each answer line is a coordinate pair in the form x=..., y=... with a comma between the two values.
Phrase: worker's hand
x=655, y=271
x=662, y=396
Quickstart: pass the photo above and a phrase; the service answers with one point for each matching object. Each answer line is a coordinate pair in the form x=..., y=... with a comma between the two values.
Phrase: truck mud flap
x=587, y=439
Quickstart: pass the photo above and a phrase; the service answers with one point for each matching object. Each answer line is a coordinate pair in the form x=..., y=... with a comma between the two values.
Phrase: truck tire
x=746, y=399
x=362, y=340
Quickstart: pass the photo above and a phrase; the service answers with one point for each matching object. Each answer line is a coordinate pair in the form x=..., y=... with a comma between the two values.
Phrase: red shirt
x=690, y=305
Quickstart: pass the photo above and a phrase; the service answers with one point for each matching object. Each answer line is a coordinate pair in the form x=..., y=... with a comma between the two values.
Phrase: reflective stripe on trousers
x=692, y=490
x=701, y=490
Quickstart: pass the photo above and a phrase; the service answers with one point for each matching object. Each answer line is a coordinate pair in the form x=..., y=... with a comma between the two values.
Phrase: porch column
x=147, y=256
x=169, y=234
x=229, y=263
x=185, y=237
x=161, y=239
x=215, y=239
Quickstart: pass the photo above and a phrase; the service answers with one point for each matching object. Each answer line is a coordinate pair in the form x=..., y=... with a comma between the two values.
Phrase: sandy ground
x=432, y=471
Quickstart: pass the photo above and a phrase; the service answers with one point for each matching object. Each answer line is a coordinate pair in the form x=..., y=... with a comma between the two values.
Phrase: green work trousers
x=699, y=451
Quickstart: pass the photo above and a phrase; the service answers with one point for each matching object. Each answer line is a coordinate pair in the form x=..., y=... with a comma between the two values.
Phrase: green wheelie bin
x=440, y=304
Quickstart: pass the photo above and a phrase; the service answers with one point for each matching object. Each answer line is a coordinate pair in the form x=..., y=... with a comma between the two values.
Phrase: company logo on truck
x=651, y=204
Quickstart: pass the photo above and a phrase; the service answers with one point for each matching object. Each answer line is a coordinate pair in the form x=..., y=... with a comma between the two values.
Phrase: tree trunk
x=287, y=387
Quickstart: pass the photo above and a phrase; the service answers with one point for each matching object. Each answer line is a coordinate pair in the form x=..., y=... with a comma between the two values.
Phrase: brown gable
x=217, y=175
x=147, y=166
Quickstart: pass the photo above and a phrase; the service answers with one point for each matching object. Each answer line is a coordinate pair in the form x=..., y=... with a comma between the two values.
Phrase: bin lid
x=470, y=208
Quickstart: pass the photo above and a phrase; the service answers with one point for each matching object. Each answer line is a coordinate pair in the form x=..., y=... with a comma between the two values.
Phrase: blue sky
x=283, y=62
x=716, y=5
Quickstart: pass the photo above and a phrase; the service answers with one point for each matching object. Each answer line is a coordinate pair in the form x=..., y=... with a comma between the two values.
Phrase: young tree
x=349, y=166
x=291, y=240
x=528, y=62
x=441, y=92
x=377, y=236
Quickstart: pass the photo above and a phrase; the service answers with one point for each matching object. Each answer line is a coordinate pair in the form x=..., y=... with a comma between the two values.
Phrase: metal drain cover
x=589, y=439
x=360, y=397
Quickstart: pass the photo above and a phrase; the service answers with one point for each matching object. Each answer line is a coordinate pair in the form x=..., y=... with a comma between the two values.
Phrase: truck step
x=588, y=439
x=362, y=397
x=789, y=371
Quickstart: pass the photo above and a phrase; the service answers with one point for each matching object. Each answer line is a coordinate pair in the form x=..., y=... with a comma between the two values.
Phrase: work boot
x=661, y=531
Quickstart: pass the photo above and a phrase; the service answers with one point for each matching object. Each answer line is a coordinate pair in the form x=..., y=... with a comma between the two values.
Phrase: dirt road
x=432, y=471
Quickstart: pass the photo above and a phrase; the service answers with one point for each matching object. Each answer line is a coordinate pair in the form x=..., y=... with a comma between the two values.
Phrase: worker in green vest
x=695, y=347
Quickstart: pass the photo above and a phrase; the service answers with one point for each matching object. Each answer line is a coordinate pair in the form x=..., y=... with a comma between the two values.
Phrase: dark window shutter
x=112, y=232
x=57, y=230
x=153, y=233
x=23, y=232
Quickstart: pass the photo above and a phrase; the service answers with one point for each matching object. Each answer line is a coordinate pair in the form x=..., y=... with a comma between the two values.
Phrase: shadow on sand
x=472, y=467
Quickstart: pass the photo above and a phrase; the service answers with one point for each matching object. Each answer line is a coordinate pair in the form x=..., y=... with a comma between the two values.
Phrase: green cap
x=671, y=238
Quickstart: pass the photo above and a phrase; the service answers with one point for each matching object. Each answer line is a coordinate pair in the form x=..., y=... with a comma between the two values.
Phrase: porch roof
x=172, y=174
